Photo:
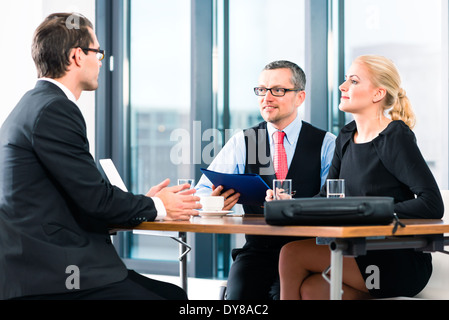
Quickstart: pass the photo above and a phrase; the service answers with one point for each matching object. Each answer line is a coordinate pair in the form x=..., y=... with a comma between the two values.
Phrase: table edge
x=413, y=227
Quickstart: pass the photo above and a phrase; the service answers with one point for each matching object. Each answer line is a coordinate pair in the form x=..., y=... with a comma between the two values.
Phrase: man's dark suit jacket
x=55, y=206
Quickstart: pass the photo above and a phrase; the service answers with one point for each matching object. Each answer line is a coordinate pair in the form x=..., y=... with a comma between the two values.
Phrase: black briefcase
x=330, y=211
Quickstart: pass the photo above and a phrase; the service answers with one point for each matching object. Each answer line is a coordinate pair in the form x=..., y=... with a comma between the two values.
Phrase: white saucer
x=214, y=214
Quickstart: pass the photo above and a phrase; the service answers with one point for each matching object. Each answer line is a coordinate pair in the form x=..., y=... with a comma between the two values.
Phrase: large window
x=247, y=37
x=160, y=104
x=259, y=35
x=413, y=33
x=198, y=61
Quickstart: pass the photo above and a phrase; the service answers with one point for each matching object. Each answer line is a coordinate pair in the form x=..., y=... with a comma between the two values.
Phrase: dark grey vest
x=305, y=168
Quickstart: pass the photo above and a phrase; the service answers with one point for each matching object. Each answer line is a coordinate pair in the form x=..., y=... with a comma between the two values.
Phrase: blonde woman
x=377, y=155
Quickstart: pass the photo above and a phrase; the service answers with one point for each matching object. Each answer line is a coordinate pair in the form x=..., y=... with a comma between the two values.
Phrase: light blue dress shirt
x=232, y=158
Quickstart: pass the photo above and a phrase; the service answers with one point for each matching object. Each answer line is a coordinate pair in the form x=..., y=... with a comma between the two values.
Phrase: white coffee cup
x=212, y=203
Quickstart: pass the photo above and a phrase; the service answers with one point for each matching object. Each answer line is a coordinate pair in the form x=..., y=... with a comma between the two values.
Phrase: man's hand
x=157, y=188
x=179, y=201
x=270, y=195
x=280, y=195
x=231, y=197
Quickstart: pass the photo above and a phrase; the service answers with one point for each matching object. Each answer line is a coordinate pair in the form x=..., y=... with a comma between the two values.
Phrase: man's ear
x=300, y=97
x=77, y=56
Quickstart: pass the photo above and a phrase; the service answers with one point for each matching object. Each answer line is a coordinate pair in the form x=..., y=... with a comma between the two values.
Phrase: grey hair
x=298, y=78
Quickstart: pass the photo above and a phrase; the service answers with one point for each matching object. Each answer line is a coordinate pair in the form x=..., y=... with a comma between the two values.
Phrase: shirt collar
x=67, y=92
x=291, y=131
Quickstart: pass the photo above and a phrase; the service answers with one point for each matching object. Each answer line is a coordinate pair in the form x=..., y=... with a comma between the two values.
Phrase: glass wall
x=259, y=35
x=413, y=33
x=249, y=37
x=160, y=85
x=246, y=36
x=160, y=103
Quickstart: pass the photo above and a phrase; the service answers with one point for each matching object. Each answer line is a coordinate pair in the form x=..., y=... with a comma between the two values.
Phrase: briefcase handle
x=301, y=209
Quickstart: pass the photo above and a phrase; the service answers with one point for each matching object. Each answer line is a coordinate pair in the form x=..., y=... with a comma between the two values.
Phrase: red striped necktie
x=280, y=157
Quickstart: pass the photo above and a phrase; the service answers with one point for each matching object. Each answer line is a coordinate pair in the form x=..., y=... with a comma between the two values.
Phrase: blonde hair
x=385, y=74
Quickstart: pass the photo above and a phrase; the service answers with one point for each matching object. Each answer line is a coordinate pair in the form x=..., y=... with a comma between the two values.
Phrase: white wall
x=18, y=74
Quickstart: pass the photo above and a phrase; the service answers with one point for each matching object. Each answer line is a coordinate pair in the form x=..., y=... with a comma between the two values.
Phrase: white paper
x=112, y=174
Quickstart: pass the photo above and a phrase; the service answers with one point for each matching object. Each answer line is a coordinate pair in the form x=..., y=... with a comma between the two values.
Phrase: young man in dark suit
x=55, y=207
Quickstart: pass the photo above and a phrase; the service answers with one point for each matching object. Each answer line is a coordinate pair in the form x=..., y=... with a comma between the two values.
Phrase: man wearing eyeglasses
x=55, y=207
x=309, y=151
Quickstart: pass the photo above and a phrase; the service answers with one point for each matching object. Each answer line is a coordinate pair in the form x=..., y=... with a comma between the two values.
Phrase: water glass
x=335, y=188
x=282, y=189
x=191, y=182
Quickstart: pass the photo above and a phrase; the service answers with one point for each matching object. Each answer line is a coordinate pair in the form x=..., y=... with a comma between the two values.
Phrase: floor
x=197, y=289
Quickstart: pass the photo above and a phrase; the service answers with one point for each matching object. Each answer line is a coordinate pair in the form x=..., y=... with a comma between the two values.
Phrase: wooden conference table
x=426, y=235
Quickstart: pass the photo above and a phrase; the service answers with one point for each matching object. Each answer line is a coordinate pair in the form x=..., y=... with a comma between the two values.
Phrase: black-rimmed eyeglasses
x=277, y=92
x=99, y=52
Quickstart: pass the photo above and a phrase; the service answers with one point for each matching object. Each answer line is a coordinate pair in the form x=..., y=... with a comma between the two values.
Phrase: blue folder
x=251, y=187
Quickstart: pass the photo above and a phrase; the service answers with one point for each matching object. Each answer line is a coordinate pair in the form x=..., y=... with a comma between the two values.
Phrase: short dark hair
x=54, y=39
x=299, y=77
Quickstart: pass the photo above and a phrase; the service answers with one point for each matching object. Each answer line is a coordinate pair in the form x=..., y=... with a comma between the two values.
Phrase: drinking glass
x=282, y=189
x=335, y=188
x=188, y=181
